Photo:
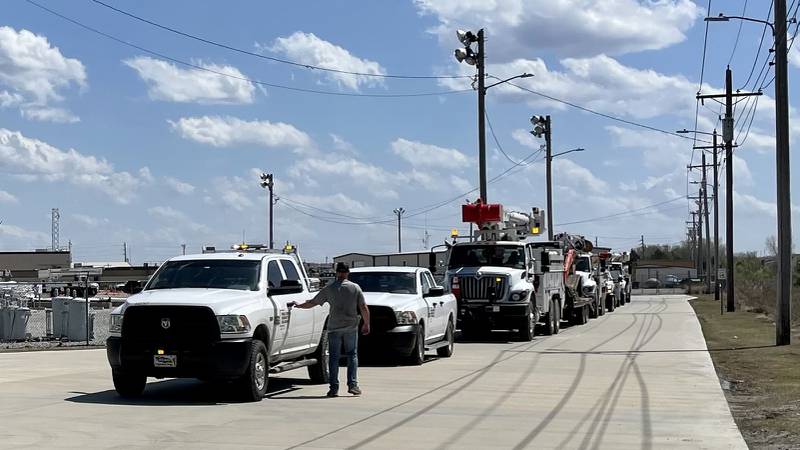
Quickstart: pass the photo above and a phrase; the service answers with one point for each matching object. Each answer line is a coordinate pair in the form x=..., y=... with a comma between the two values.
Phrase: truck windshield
x=582, y=265
x=391, y=282
x=487, y=255
x=207, y=274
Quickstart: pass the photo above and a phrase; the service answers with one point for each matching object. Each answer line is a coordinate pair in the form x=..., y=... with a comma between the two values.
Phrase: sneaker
x=355, y=390
x=332, y=393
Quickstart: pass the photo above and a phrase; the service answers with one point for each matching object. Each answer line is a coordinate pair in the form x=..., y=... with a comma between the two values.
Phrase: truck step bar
x=293, y=365
x=436, y=345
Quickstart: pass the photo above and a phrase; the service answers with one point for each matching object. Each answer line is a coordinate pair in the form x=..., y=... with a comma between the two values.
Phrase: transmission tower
x=54, y=225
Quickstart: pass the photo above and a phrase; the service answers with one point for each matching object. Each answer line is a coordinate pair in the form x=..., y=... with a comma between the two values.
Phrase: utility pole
x=783, y=324
x=481, y=115
x=125, y=251
x=183, y=249
x=695, y=241
x=549, y=169
x=268, y=182
x=642, y=257
x=399, y=212
x=727, y=137
x=708, y=233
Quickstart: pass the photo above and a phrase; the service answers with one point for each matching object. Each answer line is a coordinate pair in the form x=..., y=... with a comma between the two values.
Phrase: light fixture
x=466, y=37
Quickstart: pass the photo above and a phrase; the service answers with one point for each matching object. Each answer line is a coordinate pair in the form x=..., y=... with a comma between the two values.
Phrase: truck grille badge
x=165, y=323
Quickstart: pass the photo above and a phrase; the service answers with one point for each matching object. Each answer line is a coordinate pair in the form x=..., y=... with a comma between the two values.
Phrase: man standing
x=346, y=300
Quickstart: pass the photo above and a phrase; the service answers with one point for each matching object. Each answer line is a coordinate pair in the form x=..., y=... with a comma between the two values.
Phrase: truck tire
x=610, y=302
x=450, y=337
x=527, y=328
x=319, y=372
x=417, y=356
x=253, y=384
x=549, y=322
x=128, y=384
x=557, y=316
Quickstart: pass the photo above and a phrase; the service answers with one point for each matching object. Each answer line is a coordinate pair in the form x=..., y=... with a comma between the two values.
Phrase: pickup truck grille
x=381, y=318
x=174, y=327
x=483, y=288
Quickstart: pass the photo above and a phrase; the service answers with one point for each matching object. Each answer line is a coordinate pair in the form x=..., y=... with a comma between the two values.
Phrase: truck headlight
x=115, y=323
x=233, y=324
x=406, y=317
x=519, y=296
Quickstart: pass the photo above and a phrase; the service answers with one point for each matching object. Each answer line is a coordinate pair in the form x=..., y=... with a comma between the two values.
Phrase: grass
x=761, y=381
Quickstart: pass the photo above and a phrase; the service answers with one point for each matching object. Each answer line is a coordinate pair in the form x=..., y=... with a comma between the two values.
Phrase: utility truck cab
x=493, y=277
x=219, y=316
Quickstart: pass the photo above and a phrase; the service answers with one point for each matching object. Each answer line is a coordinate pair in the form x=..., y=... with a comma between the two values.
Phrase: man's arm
x=362, y=306
x=318, y=300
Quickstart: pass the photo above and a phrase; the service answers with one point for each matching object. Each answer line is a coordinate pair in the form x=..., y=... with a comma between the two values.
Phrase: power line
x=625, y=212
x=738, y=33
x=496, y=141
x=271, y=58
x=227, y=75
x=607, y=116
x=700, y=85
x=760, y=45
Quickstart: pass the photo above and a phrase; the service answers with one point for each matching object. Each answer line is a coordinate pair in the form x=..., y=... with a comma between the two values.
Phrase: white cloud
x=342, y=145
x=233, y=193
x=168, y=82
x=89, y=221
x=229, y=131
x=6, y=197
x=12, y=234
x=33, y=159
x=429, y=156
x=37, y=73
x=746, y=202
x=599, y=82
x=569, y=27
x=376, y=179
x=526, y=139
x=338, y=203
x=741, y=172
x=307, y=48
x=658, y=151
x=175, y=219
x=461, y=184
x=179, y=186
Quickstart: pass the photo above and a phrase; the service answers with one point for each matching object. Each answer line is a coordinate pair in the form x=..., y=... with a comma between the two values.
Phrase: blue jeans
x=337, y=342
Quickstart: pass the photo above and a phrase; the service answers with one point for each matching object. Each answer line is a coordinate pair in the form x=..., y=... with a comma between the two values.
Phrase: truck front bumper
x=221, y=359
x=400, y=339
x=504, y=316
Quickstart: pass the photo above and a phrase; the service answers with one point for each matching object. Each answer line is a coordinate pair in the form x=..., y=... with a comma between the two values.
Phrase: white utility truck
x=409, y=313
x=220, y=316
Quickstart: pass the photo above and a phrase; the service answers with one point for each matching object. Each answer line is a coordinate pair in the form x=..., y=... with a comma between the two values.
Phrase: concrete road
x=636, y=378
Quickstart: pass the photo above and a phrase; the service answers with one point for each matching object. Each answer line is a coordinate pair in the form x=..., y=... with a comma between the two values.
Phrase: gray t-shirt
x=345, y=298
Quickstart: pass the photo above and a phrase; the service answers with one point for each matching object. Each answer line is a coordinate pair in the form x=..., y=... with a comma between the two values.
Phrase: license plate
x=493, y=308
x=165, y=360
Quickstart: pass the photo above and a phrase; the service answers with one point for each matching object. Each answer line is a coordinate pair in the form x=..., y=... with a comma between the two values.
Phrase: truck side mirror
x=286, y=287
x=434, y=291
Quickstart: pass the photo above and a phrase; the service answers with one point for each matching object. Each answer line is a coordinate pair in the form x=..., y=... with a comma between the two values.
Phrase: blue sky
x=136, y=149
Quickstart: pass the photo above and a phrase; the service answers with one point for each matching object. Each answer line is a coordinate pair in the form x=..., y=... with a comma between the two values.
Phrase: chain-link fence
x=28, y=320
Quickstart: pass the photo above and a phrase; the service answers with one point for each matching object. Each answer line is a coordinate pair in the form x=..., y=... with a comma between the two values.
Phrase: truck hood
x=222, y=301
x=398, y=302
x=485, y=270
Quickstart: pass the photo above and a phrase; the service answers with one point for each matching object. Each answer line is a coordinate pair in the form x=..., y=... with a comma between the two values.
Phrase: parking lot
x=637, y=378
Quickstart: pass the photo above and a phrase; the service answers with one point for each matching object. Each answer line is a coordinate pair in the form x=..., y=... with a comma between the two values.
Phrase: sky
x=149, y=139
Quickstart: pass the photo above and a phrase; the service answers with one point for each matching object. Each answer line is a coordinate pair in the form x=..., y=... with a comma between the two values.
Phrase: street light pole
x=267, y=181
x=399, y=212
x=549, y=170
x=481, y=116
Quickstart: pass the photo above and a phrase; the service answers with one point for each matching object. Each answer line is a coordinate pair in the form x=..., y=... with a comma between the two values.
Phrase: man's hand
x=291, y=304
x=365, y=328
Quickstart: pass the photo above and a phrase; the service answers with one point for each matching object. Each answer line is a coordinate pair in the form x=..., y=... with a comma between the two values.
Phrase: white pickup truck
x=219, y=316
x=409, y=312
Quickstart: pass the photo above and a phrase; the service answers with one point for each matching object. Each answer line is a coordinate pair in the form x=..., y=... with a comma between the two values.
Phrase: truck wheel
x=417, y=356
x=127, y=384
x=450, y=337
x=610, y=301
x=527, y=328
x=556, y=316
x=253, y=384
x=549, y=322
x=319, y=372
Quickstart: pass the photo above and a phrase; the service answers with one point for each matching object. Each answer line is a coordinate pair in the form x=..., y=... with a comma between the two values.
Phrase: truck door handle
x=441, y=303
